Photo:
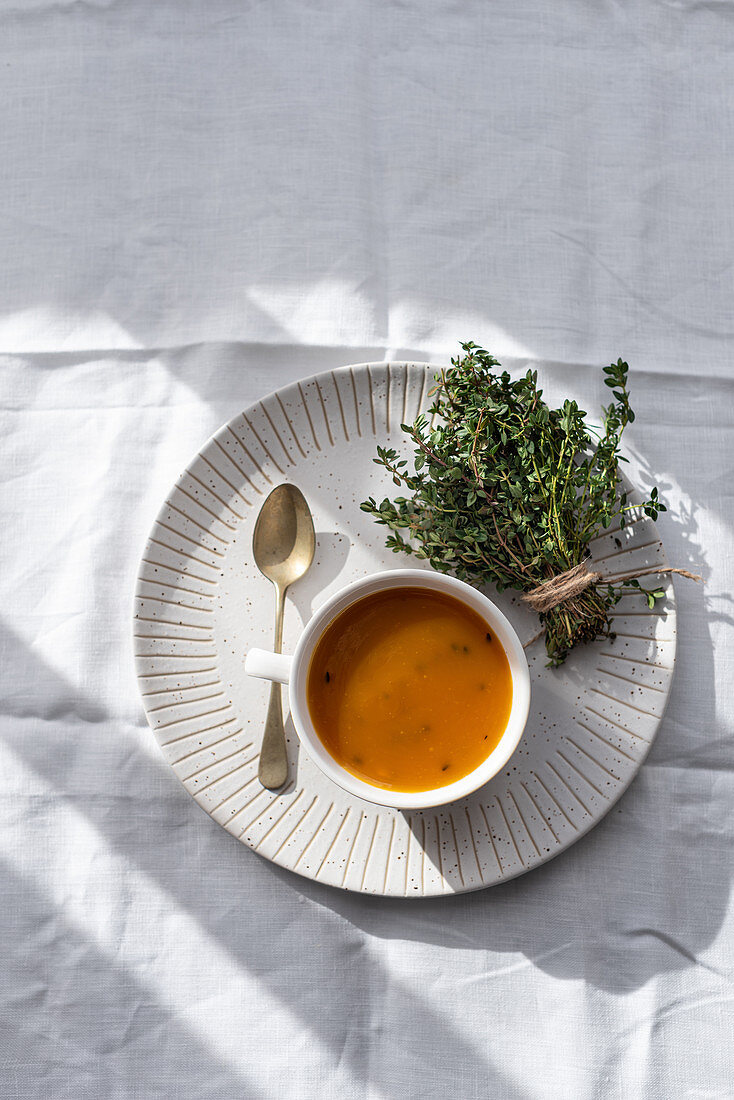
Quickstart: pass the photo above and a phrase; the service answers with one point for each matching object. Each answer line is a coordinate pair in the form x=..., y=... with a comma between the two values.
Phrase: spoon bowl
x=283, y=542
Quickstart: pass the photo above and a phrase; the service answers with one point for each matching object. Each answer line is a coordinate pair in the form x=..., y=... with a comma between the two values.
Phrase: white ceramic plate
x=201, y=604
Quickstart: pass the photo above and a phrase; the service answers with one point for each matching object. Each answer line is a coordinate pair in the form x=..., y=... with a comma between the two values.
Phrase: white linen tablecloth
x=204, y=200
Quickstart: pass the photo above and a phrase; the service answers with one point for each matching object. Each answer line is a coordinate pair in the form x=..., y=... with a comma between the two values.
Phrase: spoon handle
x=273, y=766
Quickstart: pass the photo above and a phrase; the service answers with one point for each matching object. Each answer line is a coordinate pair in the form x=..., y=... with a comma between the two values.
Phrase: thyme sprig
x=506, y=491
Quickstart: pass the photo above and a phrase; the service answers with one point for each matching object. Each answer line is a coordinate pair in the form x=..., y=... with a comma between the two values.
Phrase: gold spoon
x=283, y=546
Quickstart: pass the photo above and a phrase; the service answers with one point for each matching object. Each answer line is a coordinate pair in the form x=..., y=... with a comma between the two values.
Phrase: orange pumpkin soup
x=409, y=690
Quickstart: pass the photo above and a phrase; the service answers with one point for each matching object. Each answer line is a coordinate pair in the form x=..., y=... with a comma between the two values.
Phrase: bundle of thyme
x=507, y=491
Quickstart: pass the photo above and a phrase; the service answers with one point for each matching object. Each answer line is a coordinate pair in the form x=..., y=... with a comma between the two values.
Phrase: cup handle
x=268, y=666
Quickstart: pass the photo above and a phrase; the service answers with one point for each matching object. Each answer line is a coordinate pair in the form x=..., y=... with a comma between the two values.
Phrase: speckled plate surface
x=201, y=604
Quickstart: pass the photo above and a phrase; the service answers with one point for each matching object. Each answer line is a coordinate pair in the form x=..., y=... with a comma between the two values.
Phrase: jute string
x=574, y=581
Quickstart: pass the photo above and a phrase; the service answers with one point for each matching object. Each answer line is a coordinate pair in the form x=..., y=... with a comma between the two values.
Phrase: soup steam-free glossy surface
x=409, y=689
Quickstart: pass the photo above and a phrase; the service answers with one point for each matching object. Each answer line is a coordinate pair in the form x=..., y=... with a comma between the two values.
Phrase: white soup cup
x=293, y=671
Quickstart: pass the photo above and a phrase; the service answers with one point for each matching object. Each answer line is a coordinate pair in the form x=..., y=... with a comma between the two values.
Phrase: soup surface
x=409, y=690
